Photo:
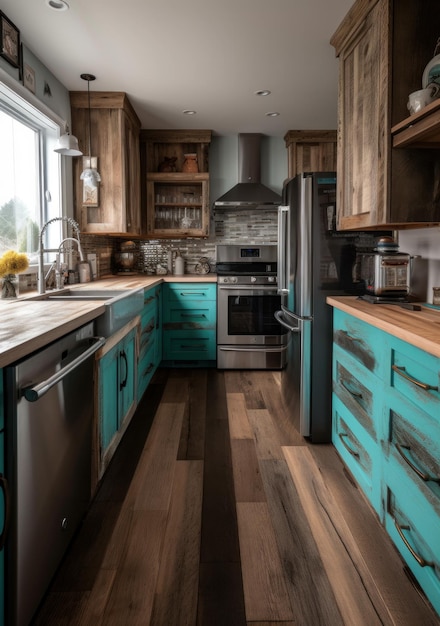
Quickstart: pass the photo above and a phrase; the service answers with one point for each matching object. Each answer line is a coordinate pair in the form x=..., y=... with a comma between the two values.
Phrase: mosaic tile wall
x=241, y=226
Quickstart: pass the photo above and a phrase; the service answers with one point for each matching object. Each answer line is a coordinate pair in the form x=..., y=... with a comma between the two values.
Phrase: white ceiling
x=206, y=55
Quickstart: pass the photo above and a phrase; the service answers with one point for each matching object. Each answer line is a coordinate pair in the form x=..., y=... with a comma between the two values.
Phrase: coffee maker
x=385, y=272
x=125, y=259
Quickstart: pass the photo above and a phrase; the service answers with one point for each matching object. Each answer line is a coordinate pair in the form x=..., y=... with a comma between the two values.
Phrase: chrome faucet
x=42, y=249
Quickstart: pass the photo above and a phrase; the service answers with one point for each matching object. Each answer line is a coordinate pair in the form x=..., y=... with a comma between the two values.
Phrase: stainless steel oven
x=248, y=336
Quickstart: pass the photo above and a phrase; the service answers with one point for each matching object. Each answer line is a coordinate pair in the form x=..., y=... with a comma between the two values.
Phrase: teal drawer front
x=177, y=317
x=196, y=344
x=414, y=446
x=415, y=530
x=358, y=451
x=146, y=368
x=183, y=292
x=147, y=331
x=363, y=342
x=358, y=391
x=416, y=376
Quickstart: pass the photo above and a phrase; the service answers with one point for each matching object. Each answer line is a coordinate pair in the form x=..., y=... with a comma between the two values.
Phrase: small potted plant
x=11, y=263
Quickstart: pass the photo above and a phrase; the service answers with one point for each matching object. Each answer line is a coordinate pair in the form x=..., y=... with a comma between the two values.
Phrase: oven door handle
x=280, y=319
x=34, y=393
x=251, y=348
x=268, y=289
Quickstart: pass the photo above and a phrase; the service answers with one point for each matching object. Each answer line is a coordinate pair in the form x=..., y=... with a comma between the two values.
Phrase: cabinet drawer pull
x=192, y=293
x=193, y=315
x=420, y=474
x=401, y=371
x=356, y=394
x=352, y=452
x=123, y=384
x=420, y=560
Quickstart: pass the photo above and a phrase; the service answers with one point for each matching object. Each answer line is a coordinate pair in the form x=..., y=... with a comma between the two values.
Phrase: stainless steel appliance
x=49, y=410
x=385, y=271
x=248, y=336
x=314, y=261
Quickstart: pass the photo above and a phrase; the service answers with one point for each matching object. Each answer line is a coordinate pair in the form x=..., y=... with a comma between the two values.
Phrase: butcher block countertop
x=419, y=328
x=27, y=325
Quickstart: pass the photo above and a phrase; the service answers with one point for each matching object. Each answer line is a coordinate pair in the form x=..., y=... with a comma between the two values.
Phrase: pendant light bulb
x=89, y=174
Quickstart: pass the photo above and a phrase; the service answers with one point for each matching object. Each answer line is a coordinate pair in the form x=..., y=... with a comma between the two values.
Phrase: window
x=30, y=191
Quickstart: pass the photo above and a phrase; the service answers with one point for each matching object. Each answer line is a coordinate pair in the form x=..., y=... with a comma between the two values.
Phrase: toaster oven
x=385, y=274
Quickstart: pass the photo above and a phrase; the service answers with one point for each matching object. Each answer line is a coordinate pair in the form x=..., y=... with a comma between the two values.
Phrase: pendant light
x=90, y=174
x=68, y=145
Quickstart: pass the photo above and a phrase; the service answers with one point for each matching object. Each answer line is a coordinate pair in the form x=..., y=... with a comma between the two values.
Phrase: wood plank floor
x=215, y=512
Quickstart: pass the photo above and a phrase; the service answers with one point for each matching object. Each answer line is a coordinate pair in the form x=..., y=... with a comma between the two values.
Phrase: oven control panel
x=247, y=280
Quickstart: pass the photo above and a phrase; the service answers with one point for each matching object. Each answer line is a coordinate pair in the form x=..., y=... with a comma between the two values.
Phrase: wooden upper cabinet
x=115, y=141
x=382, y=50
x=175, y=204
x=310, y=151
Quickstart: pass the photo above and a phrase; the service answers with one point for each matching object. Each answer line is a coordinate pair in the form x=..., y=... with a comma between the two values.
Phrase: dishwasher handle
x=32, y=394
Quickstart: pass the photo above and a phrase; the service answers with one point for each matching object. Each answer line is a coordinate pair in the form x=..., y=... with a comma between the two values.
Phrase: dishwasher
x=49, y=399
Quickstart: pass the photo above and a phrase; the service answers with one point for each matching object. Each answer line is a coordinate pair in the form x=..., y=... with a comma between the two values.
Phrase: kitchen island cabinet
x=382, y=53
x=116, y=375
x=395, y=456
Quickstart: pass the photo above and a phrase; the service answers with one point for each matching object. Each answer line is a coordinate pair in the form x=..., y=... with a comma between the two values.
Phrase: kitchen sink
x=120, y=305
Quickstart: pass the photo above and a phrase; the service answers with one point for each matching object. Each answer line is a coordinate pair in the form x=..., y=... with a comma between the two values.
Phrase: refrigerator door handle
x=300, y=318
x=283, y=250
x=280, y=319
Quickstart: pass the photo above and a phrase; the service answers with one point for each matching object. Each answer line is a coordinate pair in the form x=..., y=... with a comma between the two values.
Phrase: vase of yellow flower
x=11, y=263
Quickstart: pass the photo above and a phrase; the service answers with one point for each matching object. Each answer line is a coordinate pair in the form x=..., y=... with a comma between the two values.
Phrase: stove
x=248, y=336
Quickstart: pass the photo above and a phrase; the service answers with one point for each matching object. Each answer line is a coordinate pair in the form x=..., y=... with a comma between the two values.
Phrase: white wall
x=426, y=269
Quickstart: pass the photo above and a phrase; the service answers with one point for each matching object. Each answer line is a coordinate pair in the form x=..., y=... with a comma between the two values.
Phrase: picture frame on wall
x=29, y=77
x=9, y=41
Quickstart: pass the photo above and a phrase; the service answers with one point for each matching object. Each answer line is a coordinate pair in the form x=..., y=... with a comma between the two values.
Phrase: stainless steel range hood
x=249, y=192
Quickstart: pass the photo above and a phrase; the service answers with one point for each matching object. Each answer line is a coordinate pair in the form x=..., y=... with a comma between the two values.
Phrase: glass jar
x=190, y=164
x=9, y=286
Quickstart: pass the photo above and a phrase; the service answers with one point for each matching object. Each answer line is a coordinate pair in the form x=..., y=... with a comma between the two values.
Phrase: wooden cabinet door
x=108, y=398
x=363, y=138
x=126, y=376
x=115, y=142
x=310, y=151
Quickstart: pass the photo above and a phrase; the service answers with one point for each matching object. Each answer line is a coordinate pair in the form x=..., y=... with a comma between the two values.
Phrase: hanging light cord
x=88, y=78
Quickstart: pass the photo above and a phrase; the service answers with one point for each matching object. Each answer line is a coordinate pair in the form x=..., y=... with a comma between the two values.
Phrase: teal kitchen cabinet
x=357, y=401
x=411, y=479
x=386, y=428
x=189, y=324
x=150, y=339
x=116, y=395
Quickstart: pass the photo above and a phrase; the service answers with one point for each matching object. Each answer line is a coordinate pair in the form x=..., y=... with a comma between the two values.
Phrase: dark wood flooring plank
x=175, y=601
x=151, y=485
x=221, y=601
x=265, y=593
x=356, y=592
x=192, y=438
x=247, y=478
x=265, y=433
x=239, y=427
x=243, y=381
x=309, y=589
x=132, y=593
x=61, y=609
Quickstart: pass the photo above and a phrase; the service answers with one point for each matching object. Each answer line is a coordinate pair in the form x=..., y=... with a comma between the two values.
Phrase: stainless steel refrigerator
x=314, y=261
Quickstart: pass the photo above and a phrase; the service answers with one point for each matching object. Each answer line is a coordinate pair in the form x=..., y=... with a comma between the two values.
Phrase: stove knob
x=253, y=279
x=271, y=279
x=233, y=279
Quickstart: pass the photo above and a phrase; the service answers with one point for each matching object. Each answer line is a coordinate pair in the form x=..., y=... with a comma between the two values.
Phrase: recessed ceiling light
x=262, y=92
x=272, y=114
x=57, y=5
x=189, y=112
